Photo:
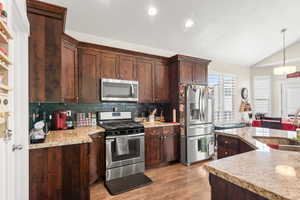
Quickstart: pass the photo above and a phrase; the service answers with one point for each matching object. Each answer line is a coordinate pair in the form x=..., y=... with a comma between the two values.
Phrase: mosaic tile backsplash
x=137, y=109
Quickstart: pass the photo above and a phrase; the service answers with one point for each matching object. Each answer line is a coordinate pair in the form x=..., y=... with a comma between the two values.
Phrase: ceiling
x=234, y=31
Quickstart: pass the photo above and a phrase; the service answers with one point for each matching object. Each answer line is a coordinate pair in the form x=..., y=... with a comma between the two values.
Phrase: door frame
x=14, y=174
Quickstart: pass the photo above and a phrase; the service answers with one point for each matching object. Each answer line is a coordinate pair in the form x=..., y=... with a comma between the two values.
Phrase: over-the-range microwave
x=119, y=90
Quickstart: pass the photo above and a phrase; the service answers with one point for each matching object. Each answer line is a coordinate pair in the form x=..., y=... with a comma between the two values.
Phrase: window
x=291, y=96
x=262, y=94
x=224, y=86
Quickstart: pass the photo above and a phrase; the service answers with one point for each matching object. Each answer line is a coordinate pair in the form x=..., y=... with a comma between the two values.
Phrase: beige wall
x=266, y=66
x=242, y=74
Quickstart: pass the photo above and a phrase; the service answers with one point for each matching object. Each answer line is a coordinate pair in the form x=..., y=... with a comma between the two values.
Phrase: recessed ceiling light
x=189, y=23
x=152, y=11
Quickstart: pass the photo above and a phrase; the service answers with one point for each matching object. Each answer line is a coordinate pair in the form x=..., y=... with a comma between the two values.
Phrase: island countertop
x=273, y=174
x=78, y=135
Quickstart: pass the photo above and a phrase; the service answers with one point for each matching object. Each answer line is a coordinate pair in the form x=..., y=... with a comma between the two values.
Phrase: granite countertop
x=273, y=174
x=249, y=134
x=78, y=135
x=159, y=124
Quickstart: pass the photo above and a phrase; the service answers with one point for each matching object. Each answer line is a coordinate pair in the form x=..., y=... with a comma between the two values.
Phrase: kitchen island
x=264, y=173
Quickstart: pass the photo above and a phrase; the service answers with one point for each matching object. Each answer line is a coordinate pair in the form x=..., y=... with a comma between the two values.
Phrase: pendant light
x=284, y=69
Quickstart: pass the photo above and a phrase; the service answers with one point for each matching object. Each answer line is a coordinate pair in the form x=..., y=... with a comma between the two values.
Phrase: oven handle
x=120, y=136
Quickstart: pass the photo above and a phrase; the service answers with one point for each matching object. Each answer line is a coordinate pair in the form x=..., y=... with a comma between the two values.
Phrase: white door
x=14, y=183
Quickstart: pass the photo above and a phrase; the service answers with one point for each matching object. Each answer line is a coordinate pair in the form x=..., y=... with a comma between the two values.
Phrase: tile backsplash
x=137, y=109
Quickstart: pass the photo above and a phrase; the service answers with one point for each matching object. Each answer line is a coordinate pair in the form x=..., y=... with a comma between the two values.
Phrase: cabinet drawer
x=228, y=142
x=224, y=152
x=153, y=131
x=167, y=130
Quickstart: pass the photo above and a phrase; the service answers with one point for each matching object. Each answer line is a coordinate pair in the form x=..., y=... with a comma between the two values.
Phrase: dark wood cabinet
x=97, y=158
x=69, y=70
x=229, y=146
x=145, y=77
x=89, y=78
x=46, y=29
x=190, y=69
x=59, y=173
x=186, y=72
x=171, y=143
x=191, y=72
x=127, y=69
x=224, y=190
x=153, y=144
x=161, y=146
x=161, y=83
x=109, y=65
x=200, y=73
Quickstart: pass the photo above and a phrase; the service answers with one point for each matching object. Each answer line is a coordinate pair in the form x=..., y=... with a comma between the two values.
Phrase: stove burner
x=127, y=127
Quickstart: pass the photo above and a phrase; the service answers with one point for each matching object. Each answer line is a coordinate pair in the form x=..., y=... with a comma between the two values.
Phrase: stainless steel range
x=124, y=141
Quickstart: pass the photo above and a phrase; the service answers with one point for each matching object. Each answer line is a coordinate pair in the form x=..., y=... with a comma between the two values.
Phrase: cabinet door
x=145, y=77
x=96, y=158
x=69, y=76
x=108, y=65
x=171, y=147
x=153, y=144
x=245, y=147
x=161, y=80
x=101, y=164
x=44, y=58
x=88, y=76
x=127, y=68
x=200, y=73
x=186, y=72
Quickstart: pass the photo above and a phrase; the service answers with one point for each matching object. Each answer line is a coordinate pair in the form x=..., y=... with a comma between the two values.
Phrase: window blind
x=262, y=94
x=292, y=95
x=224, y=90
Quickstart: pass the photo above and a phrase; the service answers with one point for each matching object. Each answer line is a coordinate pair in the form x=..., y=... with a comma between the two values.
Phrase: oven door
x=136, y=151
x=119, y=90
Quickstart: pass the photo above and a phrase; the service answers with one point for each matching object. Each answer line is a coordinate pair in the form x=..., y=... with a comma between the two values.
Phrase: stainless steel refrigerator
x=198, y=142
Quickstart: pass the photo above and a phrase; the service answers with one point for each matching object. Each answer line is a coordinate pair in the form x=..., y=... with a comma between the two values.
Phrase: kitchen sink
x=285, y=144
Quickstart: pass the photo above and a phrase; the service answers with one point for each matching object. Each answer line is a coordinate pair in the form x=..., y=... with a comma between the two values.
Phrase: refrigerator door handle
x=200, y=104
x=203, y=104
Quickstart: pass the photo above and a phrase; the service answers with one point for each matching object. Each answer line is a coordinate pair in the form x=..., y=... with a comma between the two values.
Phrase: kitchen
x=114, y=120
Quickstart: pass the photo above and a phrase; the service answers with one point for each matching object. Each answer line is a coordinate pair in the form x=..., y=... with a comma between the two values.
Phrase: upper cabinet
x=200, y=72
x=45, y=48
x=144, y=69
x=127, y=69
x=190, y=69
x=69, y=70
x=109, y=65
x=89, y=78
x=161, y=82
x=186, y=72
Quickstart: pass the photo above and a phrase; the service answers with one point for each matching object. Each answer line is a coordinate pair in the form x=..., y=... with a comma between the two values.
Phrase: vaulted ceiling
x=234, y=31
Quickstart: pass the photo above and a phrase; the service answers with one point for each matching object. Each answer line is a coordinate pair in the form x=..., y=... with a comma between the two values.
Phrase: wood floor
x=175, y=182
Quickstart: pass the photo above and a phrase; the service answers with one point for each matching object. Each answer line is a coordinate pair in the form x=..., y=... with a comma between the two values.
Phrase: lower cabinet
x=161, y=146
x=59, y=173
x=229, y=146
x=224, y=190
x=97, y=158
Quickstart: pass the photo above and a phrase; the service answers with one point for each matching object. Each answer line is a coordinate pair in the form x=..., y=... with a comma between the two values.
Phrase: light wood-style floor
x=175, y=182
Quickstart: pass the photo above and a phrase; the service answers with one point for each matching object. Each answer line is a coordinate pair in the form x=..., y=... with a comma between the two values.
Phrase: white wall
x=242, y=74
x=266, y=66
